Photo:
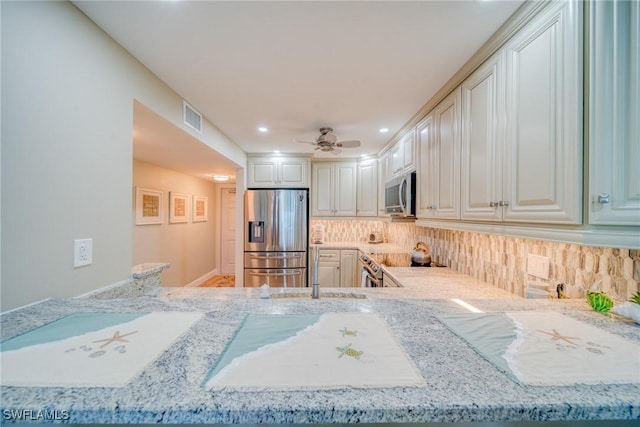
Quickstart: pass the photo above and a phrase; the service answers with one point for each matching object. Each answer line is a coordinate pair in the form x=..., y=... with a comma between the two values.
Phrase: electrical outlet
x=538, y=265
x=82, y=252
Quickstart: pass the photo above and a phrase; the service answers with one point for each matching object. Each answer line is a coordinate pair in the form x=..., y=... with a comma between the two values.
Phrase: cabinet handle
x=604, y=198
x=504, y=203
x=493, y=204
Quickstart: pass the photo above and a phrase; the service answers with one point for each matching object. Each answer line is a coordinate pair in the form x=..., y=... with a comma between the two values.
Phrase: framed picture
x=149, y=206
x=200, y=209
x=178, y=207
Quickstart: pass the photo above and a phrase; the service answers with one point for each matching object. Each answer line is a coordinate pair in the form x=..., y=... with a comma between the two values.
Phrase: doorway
x=227, y=231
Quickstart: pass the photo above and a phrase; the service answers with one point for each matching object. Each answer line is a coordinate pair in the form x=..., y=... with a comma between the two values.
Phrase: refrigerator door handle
x=275, y=256
x=293, y=273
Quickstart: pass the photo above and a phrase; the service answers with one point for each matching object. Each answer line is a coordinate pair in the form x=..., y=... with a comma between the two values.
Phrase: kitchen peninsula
x=461, y=385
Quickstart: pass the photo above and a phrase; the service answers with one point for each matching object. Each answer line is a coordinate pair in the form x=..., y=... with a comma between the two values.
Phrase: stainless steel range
x=373, y=263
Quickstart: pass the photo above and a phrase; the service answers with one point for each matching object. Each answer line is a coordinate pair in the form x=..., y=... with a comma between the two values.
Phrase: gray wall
x=189, y=247
x=67, y=120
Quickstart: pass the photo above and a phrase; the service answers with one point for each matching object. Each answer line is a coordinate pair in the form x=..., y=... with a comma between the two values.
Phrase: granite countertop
x=462, y=385
x=362, y=246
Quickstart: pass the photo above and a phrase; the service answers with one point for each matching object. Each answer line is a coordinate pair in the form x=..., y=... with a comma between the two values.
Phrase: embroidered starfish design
x=555, y=336
x=115, y=337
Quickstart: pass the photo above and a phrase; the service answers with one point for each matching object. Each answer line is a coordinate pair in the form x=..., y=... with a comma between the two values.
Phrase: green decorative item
x=636, y=298
x=599, y=301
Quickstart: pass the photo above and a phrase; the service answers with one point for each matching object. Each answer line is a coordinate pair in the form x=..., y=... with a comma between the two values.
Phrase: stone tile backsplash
x=502, y=261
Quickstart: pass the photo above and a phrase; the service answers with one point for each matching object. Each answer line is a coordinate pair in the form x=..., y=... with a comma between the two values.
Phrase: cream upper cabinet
x=367, y=188
x=401, y=156
x=482, y=135
x=408, y=144
x=426, y=176
x=395, y=161
x=614, y=127
x=542, y=173
x=264, y=172
x=333, y=189
x=445, y=158
x=382, y=177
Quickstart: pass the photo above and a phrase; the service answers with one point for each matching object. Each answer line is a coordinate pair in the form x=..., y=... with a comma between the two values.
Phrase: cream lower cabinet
x=333, y=189
x=542, y=163
x=349, y=268
x=614, y=133
x=337, y=268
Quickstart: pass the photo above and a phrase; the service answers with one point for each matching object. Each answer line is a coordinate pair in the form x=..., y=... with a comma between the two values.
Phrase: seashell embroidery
x=97, y=354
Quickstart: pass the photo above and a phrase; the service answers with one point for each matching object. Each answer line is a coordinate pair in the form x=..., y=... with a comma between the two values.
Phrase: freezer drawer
x=276, y=277
x=275, y=259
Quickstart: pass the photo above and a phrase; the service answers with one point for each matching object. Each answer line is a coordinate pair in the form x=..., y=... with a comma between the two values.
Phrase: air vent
x=191, y=117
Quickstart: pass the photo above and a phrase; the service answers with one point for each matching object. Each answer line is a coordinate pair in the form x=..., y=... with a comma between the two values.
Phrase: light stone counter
x=363, y=247
x=462, y=385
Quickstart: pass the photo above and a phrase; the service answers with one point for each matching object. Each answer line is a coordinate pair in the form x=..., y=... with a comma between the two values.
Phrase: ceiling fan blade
x=304, y=142
x=336, y=151
x=348, y=144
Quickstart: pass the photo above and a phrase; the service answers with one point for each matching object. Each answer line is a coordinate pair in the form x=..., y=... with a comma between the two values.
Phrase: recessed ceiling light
x=384, y=130
x=220, y=178
x=263, y=129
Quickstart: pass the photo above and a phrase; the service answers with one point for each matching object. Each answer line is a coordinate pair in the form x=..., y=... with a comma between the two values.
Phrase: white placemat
x=336, y=350
x=548, y=348
x=90, y=349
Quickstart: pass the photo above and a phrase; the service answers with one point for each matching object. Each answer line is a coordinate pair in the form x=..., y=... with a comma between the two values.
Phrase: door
x=228, y=231
x=367, y=189
x=275, y=220
x=543, y=145
x=482, y=120
x=446, y=157
x=345, y=189
x=614, y=128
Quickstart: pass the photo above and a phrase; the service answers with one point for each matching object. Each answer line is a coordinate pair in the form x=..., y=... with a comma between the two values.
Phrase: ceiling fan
x=328, y=143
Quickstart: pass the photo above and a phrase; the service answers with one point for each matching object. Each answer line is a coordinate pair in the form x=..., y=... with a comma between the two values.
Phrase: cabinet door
x=262, y=172
x=614, y=133
x=348, y=268
x=345, y=189
x=481, y=131
x=322, y=185
x=293, y=172
x=395, y=162
x=329, y=268
x=367, y=188
x=446, y=157
x=425, y=176
x=382, y=175
x=408, y=144
x=543, y=156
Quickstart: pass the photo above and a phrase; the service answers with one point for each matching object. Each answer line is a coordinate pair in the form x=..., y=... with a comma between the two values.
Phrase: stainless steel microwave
x=400, y=196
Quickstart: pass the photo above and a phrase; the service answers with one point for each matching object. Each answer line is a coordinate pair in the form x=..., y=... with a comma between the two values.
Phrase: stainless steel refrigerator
x=276, y=237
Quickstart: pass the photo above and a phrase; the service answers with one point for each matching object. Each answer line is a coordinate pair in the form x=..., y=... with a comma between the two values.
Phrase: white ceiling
x=296, y=66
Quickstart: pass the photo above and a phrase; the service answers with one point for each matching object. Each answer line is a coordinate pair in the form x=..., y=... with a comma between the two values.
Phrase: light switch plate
x=538, y=265
x=82, y=252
